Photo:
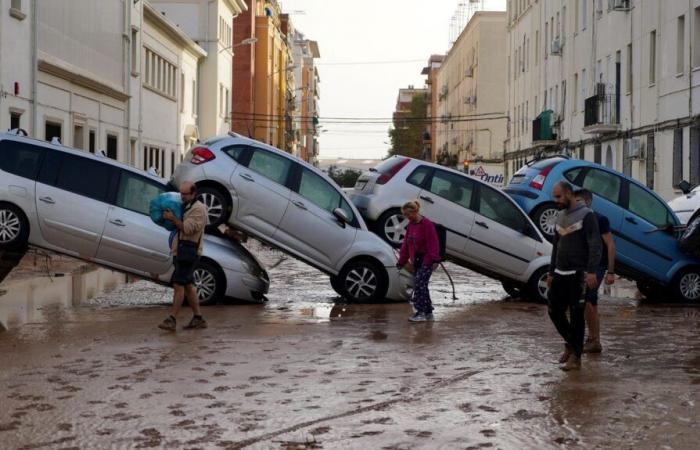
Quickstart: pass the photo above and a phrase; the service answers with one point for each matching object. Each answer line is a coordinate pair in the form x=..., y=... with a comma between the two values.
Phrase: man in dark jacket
x=575, y=258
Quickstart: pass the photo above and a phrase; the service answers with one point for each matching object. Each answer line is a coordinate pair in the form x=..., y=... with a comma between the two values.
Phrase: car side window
x=496, y=207
x=318, y=191
x=418, y=176
x=236, y=152
x=270, y=165
x=572, y=174
x=452, y=187
x=135, y=192
x=19, y=158
x=603, y=184
x=84, y=176
x=648, y=207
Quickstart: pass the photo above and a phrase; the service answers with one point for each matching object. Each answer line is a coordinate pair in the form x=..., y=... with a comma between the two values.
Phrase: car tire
x=14, y=228
x=514, y=290
x=545, y=217
x=210, y=282
x=689, y=242
x=537, y=288
x=363, y=281
x=336, y=285
x=217, y=203
x=686, y=285
x=391, y=226
x=649, y=289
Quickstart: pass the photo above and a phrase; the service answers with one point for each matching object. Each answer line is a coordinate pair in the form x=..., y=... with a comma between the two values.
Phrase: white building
x=612, y=81
x=209, y=24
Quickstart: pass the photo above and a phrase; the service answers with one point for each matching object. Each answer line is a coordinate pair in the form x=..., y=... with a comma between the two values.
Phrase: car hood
x=234, y=248
x=685, y=201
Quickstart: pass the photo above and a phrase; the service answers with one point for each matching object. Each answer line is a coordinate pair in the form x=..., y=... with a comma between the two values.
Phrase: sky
x=369, y=50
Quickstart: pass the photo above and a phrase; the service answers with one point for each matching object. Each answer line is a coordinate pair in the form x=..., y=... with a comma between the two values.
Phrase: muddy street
x=305, y=370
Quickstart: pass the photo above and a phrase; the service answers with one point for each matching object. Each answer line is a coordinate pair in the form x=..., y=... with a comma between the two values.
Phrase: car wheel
x=545, y=217
x=687, y=285
x=363, y=281
x=513, y=290
x=210, y=283
x=218, y=207
x=537, y=286
x=391, y=227
x=14, y=227
x=648, y=289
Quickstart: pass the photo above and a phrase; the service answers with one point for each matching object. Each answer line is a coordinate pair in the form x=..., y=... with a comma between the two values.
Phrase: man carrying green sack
x=186, y=249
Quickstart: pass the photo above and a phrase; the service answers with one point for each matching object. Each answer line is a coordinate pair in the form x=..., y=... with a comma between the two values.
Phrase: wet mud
x=307, y=371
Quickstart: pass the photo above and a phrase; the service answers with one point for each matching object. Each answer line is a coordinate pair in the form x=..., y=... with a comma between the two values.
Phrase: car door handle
x=246, y=176
x=118, y=223
x=427, y=199
x=482, y=225
x=48, y=200
x=631, y=220
x=299, y=205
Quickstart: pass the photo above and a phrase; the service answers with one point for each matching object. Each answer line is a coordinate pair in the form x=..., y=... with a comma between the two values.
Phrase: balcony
x=601, y=115
x=543, y=134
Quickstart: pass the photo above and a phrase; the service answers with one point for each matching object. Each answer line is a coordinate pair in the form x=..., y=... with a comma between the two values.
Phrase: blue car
x=643, y=225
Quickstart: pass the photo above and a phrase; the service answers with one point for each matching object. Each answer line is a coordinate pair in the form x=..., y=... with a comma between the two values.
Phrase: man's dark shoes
x=168, y=324
x=196, y=322
x=565, y=356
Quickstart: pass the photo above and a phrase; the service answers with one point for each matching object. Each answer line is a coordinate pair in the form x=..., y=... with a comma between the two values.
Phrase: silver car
x=296, y=208
x=97, y=209
x=486, y=230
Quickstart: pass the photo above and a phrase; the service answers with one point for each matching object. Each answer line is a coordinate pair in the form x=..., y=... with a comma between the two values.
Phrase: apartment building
x=307, y=95
x=431, y=82
x=611, y=81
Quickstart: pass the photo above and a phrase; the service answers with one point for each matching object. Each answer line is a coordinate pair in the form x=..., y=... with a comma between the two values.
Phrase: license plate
x=360, y=185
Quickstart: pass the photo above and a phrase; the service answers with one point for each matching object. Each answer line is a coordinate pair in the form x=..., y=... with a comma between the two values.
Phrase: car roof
x=82, y=153
x=448, y=169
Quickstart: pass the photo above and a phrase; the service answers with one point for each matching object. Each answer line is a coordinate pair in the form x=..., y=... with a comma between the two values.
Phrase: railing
x=601, y=110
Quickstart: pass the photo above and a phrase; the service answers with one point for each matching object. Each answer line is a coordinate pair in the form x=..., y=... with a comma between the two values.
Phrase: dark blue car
x=642, y=223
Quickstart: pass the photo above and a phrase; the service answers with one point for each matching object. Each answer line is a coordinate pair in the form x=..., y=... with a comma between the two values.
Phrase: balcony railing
x=543, y=128
x=601, y=114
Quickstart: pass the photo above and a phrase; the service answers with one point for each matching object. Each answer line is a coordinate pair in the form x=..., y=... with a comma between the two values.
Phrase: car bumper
x=368, y=205
x=245, y=286
x=400, y=284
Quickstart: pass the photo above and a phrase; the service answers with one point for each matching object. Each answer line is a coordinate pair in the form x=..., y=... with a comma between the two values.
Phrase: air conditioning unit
x=556, y=47
x=619, y=5
x=470, y=100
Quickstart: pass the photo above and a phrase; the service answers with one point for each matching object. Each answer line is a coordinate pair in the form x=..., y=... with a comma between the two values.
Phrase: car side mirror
x=685, y=187
x=341, y=216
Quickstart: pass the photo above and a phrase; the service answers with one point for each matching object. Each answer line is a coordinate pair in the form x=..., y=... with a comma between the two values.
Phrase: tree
x=344, y=177
x=407, y=132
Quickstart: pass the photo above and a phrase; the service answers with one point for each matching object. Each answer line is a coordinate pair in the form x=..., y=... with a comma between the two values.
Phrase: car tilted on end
x=486, y=230
x=97, y=209
x=296, y=208
x=642, y=223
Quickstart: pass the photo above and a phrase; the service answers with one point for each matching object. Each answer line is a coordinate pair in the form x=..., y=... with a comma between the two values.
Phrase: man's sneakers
x=168, y=324
x=573, y=363
x=421, y=317
x=592, y=347
x=196, y=322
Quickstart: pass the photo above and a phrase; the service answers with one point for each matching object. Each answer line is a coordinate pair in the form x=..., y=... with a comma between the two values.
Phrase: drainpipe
x=127, y=78
x=35, y=53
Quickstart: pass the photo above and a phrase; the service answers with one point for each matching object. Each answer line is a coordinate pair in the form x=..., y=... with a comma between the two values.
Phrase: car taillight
x=201, y=155
x=389, y=174
x=538, y=181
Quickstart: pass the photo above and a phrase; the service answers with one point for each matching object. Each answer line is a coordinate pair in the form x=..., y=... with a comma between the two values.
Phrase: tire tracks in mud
x=374, y=407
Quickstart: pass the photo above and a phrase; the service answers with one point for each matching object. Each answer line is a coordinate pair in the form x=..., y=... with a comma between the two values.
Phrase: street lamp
x=247, y=41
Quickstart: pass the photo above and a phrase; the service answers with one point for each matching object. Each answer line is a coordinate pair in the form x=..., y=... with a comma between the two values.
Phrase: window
x=603, y=184
x=227, y=102
x=20, y=159
x=318, y=191
x=136, y=192
x=648, y=207
x=694, y=141
x=584, y=14
x=696, y=38
x=496, y=207
x=237, y=152
x=270, y=165
x=629, y=68
x=91, y=142
x=194, y=97
x=52, y=130
x=16, y=4
x=78, y=136
x=452, y=187
x=574, y=103
x=134, y=52
x=160, y=74
x=112, y=146
x=584, y=89
x=84, y=177
x=15, y=120
x=221, y=99
x=182, y=92
x=652, y=57
x=577, y=14
x=680, y=45
x=419, y=175
x=572, y=174
x=537, y=47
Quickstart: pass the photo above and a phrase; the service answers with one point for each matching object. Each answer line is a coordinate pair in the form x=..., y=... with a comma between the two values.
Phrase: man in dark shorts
x=575, y=258
x=188, y=241
x=606, y=270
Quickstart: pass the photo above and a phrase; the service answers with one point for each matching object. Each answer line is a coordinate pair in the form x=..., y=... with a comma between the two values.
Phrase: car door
x=447, y=199
x=71, y=201
x=131, y=241
x=261, y=193
x=309, y=226
x=501, y=238
x=641, y=243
